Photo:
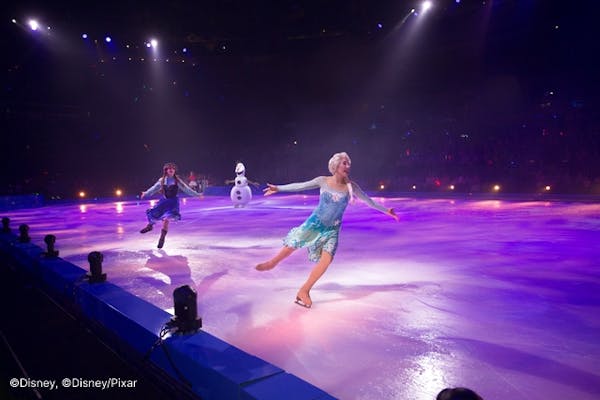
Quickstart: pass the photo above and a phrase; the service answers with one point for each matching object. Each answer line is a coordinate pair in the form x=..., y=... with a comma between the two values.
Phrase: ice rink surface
x=499, y=296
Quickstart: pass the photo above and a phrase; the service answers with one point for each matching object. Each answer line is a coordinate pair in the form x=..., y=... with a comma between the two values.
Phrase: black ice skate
x=147, y=228
x=161, y=240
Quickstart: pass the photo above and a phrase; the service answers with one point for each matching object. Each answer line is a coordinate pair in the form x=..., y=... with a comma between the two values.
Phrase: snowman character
x=240, y=192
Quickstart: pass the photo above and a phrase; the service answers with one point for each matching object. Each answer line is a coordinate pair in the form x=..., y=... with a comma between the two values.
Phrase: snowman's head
x=240, y=169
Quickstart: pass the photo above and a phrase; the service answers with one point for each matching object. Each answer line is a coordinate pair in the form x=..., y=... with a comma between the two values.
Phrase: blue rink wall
x=206, y=365
x=24, y=201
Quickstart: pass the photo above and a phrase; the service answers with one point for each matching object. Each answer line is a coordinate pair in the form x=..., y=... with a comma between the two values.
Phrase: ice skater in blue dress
x=319, y=233
x=168, y=207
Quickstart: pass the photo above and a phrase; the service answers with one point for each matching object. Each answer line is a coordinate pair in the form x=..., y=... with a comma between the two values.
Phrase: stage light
x=547, y=188
x=50, y=240
x=154, y=43
x=108, y=39
x=118, y=192
x=82, y=194
x=451, y=187
x=24, y=233
x=14, y=21
x=381, y=187
x=95, y=259
x=414, y=187
x=84, y=36
x=6, y=225
x=148, y=44
x=379, y=26
x=496, y=188
x=33, y=24
x=426, y=6
x=186, y=310
x=184, y=50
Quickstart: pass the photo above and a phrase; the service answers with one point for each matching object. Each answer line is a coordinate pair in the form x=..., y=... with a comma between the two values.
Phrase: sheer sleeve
x=154, y=188
x=300, y=186
x=186, y=189
x=363, y=196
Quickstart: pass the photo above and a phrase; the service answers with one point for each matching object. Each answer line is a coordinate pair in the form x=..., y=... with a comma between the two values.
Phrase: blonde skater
x=320, y=232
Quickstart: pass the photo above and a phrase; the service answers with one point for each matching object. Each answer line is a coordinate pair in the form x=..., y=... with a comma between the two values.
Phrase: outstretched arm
x=270, y=189
x=294, y=187
x=363, y=196
x=151, y=190
x=186, y=189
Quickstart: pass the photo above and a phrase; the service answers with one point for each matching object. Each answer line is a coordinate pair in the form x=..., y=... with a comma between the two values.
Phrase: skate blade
x=301, y=303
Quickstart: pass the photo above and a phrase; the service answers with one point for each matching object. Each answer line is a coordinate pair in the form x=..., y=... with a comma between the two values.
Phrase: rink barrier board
x=213, y=368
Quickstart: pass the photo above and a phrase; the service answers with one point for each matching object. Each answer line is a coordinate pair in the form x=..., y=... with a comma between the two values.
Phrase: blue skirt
x=314, y=235
x=164, y=209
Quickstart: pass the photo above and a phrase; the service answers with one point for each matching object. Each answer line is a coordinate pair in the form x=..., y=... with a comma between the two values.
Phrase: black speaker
x=95, y=259
x=186, y=310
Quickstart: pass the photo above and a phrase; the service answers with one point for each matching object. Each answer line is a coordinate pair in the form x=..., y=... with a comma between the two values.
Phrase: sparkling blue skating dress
x=168, y=206
x=321, y=230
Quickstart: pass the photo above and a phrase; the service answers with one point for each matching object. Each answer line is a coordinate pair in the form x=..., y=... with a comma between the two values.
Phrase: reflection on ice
x=458, y=293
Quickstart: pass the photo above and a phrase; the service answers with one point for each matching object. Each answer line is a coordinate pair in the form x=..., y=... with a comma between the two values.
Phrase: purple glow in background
x=499, y=296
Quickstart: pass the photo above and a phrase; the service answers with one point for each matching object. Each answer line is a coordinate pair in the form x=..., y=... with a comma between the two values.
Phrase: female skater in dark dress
x=168, y=207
